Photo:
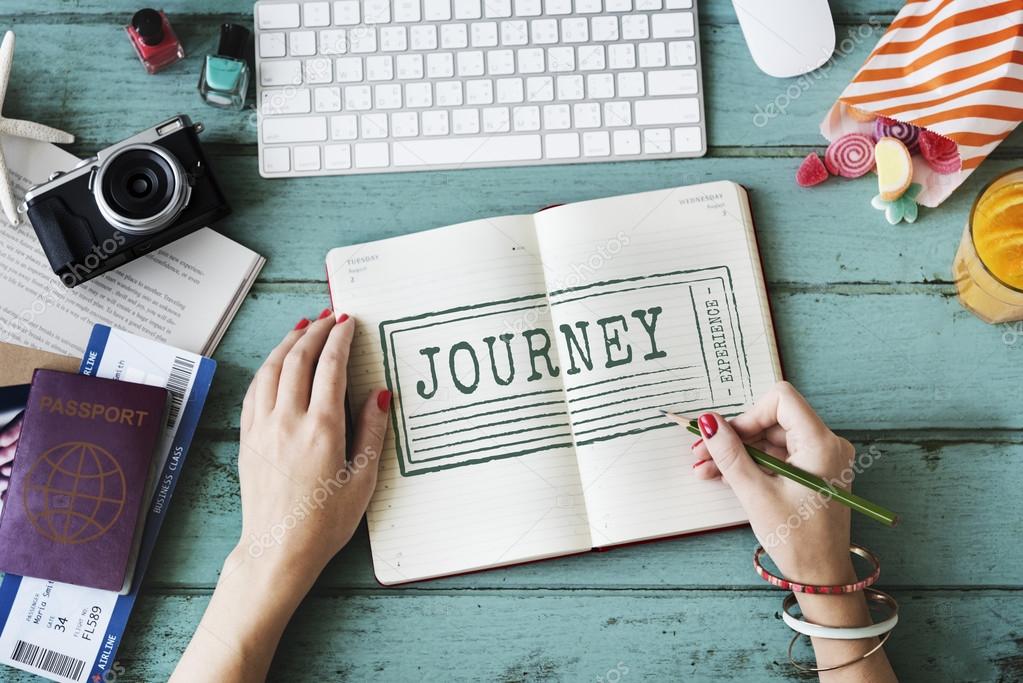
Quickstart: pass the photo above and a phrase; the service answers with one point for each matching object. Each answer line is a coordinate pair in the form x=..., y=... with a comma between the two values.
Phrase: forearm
x=243, y=623
x=848, y=610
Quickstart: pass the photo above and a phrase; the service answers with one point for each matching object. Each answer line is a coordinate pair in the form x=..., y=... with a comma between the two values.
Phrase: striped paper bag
x=953, y=67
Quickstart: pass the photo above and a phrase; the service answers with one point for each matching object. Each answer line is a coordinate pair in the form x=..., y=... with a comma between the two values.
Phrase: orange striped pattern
x=954, y=67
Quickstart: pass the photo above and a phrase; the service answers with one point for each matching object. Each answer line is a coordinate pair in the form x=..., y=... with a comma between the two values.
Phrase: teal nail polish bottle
x=224, y=79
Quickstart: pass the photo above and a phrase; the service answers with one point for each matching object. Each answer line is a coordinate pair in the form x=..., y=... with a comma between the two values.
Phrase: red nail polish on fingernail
x=341, y=318
x=698, y=463
x=696, y=443
x=326, y=312
x=708, y=425
x=384, y=400
x=302, y=324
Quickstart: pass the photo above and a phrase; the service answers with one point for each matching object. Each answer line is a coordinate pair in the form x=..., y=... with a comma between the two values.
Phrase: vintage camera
x=129, y=199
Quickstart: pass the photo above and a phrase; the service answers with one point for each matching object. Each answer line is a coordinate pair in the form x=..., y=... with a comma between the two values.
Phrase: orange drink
x=988, y=268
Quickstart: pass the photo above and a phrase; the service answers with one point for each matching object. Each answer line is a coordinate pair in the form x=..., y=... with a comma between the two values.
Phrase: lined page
x=478, y=469
x=657, y=302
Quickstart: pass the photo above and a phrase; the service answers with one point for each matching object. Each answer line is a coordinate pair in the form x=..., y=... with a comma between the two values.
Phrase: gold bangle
x=820, y=669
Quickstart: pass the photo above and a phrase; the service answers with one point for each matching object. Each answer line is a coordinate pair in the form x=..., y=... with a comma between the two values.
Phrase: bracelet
x=819, y=669
x=803, y=588
x=803, y=627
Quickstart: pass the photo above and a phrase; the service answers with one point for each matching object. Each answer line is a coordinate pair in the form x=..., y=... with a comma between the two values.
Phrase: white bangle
x=799, y=625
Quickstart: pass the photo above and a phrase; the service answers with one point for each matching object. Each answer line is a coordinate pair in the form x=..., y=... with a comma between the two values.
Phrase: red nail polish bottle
x=154, y=39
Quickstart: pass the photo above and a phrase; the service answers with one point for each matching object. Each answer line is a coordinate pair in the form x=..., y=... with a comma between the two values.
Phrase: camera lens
x=141, y=188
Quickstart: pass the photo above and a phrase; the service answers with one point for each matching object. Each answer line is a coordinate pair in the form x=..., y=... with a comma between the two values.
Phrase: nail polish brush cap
x=234, y=41
x=149, y=25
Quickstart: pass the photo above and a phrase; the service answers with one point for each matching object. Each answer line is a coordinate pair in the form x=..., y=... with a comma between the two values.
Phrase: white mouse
x=787, y=37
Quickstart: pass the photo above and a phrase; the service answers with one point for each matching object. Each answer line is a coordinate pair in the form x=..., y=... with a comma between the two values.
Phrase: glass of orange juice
x=988, y=267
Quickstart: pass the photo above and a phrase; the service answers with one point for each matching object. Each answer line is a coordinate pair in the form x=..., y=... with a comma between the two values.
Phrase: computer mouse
x=787, y=37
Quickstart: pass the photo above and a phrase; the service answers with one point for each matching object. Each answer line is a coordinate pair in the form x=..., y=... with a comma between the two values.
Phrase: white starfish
x=19, y=128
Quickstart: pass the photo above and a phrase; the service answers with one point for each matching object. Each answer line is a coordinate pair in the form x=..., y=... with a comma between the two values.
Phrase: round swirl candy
x=941, y=153
x=850, y=156
x=906, y=133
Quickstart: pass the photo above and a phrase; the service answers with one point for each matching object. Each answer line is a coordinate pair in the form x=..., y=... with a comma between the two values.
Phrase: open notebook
x=529, y=355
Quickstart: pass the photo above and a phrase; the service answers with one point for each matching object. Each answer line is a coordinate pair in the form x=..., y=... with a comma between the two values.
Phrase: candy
x=861, y=115
x=894, y=168
x=903, y=208
x=811, y=172
x=906, y=133
x=850, y=156
x=940, y=153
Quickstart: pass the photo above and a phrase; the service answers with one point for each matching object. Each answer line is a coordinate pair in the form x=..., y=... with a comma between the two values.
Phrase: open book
x=529, y=357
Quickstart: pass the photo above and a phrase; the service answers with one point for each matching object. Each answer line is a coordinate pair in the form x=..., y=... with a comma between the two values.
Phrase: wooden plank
x=929, y=480
x=581, y=636
x=866, y=357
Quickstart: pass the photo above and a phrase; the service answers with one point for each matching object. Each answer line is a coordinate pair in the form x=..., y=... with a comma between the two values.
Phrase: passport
x=80, y=474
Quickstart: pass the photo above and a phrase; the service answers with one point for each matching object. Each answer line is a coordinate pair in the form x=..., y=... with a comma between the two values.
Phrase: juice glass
x=988, y=267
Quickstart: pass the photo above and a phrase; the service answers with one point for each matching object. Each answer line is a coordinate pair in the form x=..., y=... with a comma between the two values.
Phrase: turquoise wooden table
x=868, y=324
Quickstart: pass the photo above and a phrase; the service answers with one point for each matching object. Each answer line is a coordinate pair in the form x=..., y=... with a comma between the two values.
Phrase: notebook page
x=658, y=303
x=478, y=469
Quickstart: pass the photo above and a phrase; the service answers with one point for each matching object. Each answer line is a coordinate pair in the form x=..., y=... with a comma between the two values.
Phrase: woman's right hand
x=805, y=535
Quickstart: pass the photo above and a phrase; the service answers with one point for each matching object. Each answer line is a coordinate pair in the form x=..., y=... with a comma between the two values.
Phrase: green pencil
x=811, y=481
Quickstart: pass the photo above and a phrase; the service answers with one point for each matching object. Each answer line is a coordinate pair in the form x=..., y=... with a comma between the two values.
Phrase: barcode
x=177, y=385
x=49, y=661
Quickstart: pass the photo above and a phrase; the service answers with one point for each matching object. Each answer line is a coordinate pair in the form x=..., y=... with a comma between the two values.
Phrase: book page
x=183, y=294
x=478, y=468
x=658, y=303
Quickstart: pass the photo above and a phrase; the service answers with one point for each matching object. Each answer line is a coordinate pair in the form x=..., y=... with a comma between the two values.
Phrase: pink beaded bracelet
x=826, y=590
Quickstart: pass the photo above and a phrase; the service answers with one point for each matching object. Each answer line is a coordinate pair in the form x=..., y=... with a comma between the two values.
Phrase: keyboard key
x=387, y=96
x=423, y=37
x=409, y=66
x=297, y=129
x=278, y=16
x=484, y=34
x=334, y=41
x=440, y=65
x=393, y=39
x=509, y=90
x=586, y=115
x=328, y=99
x=497, y=9
x=406, y=11
x=531, y=60
x=526, y=118
x=470, y=63
x=272, y=45
x=318, y=70
x=682, y=53
x=282, y=72
x=674, y=25
x=276, y=160
x=588, y=6
x=557, y=117
x=600, y=86
x=635, y=27
x=527, y=8
x=377, y=11
x=496, y=120
x=479, y=91
x=435, y=123
x=418, y=95
x=570, y=87
x=591, y=58
x=617, y=114
x=358, y=98
x=348, y=69
x=618, y=5
x=448, y=93
x=688, y=139
x=544, y=31
x=404, y=124
x=575, y=30
x=467, y=150
x=316, y=14
x=672, y=82
x=678, y=4
x=561, y=145
x=373, y=126
x=647, y=5
x=346, y=13
x=465, y=121
x=437, y=10
x=302, y=43
x=468, y=9
x=626, y=142
x=560, y=59
x=514, y=33
x=362, y=39
x=604, y=28
x=621, y=56
x=656, y=141
x=337, y=157
x=630, y=84
x=453, y=36
x=662, y=112
x=596, y=143
x=379, y=68
x=372, y=155
x=306, y=158
x=344, y=127
x=500, y=62
x=539, y=89
x=286, y=101
x=651, y=55
x=558, y=6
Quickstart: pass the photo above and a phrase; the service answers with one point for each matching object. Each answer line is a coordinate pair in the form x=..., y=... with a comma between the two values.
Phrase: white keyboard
x=370, y=86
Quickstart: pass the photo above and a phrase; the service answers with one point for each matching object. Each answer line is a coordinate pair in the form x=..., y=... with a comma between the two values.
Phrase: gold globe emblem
x=74, y=493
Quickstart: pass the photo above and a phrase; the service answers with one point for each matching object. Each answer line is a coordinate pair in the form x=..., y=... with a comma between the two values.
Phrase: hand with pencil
x=806, y=534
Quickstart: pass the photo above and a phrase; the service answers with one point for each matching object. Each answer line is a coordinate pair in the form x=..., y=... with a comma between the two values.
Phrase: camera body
x=131, y=198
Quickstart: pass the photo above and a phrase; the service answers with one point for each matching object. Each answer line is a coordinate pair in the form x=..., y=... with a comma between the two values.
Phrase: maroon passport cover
x=79, y=477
